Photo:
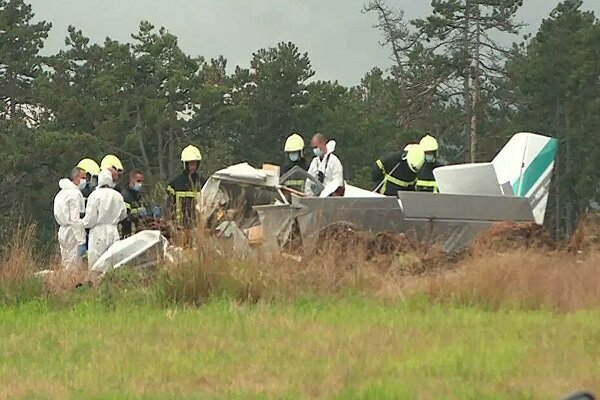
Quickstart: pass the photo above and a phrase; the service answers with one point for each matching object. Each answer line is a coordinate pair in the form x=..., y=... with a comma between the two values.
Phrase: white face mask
x=429, y=158
x=295, y=156
x=82, y=184
x=318, y=152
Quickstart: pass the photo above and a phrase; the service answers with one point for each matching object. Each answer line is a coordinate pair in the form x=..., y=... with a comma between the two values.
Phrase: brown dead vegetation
x=510, y=265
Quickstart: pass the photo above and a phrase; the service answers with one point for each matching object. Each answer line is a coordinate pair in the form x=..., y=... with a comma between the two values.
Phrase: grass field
x=344, y=348
x=516, y=324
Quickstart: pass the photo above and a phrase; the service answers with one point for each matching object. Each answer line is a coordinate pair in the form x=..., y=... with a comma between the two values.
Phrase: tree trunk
x=570, y=217
x=171, y=151
x=467, y=82
x=476, y=86
x=160, y=154
x=138, y=134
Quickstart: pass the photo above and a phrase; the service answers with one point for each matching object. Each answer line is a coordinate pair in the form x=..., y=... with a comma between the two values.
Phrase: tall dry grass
x=531, y=278
x=525, y=279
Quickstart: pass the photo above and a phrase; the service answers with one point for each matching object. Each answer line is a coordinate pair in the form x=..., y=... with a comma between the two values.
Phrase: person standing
x=426, y=180
x=132, y=195
x=326, y=167
x=294, y=145
x=68, y=207
x=104, y=210
x=184, y=189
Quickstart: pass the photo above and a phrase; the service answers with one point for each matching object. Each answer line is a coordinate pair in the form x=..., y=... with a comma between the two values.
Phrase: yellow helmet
x=405, y=151
x=191, y=153
x=89, y=166
x=415, y=157
x=429, y=143
x=294, y=143
x=111, y=161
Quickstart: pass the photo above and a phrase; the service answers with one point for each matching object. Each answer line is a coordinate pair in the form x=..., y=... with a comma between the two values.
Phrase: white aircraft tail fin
x=525, y=165
x=523, y=168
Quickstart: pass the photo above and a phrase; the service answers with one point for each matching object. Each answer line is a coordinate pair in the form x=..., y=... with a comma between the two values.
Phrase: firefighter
x=132, y=195
x=111, y=161
x=294, y=145
x=92, y=170
x=184, y=188
x=425, y=180
x=397, y=171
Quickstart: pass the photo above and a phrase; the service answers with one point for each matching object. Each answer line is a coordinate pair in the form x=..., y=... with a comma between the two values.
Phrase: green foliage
x=145, y=99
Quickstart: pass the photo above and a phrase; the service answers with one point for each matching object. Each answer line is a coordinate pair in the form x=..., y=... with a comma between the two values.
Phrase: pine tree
x=20, y=63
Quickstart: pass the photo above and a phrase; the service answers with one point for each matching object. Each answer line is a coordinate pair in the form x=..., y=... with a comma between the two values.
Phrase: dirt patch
x=506, y=236
x=387, y=252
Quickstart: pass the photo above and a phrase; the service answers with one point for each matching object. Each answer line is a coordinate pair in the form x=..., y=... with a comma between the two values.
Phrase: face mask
x=137, y=186
x=82, y=184
x=93, y=182
x=429, y=158
x=318, y=152
x=294, y=156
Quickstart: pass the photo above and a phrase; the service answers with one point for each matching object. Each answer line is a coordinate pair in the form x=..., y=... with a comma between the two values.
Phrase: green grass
x=344, y=348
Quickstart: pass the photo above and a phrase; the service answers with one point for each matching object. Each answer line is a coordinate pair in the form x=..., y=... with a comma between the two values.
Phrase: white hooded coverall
x=105, y=209
x=68, y=205
x=332, y=169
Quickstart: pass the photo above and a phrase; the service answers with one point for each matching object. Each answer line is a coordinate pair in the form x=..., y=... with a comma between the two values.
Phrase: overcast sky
x=340, y=40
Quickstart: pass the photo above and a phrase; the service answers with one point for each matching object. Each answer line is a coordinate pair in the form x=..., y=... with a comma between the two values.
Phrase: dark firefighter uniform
x=295, y=182
x=183, y=191
x=395, y=174
x=133, y=204
x=425, y=180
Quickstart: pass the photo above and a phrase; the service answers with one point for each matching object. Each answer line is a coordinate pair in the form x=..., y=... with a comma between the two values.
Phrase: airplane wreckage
x=253, y=208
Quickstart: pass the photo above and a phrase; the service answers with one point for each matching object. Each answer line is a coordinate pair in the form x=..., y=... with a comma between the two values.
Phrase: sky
x=340, y=40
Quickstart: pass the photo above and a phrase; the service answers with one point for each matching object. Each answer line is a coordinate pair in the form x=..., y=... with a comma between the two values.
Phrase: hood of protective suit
x=105, y=178
x=66, y=184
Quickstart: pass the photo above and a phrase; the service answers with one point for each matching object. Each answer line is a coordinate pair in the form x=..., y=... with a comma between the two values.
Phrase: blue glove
x=142, y=213
x=81, y=250
x=156, y=212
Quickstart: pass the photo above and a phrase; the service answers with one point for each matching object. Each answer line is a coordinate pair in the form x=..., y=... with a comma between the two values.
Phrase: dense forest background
x=146, y=99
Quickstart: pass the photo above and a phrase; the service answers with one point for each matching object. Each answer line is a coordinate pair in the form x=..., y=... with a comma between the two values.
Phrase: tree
x=553, y=86
x=270, y=90
x=20, y=63
x=461, y=31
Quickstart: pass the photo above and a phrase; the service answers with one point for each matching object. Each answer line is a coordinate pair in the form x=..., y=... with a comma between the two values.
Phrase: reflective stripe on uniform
x=178, y=207
x=427, y=184
x=389, y=178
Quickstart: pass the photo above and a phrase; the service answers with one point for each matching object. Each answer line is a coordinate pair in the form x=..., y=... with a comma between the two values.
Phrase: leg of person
x=96, y=245
x=101, y=238
x=68, y=248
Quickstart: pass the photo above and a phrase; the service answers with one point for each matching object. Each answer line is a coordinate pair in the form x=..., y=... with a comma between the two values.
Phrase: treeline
x=146, y=98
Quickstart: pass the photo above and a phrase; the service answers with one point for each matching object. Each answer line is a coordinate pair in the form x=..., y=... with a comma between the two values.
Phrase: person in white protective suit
x=68, y=208
x=105, y=209
x=326, y=167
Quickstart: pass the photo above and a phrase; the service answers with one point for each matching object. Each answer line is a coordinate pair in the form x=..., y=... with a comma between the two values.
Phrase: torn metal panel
x=465, y=207
x=450, y=220
x=375, y=214
x=230, y=230
x=276, y=220
x=144, y=249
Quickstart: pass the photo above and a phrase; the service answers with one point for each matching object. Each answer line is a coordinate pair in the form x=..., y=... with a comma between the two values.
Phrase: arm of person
x=74, y=204
x=335, y=172
x=123, y=215
x=91, y=212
